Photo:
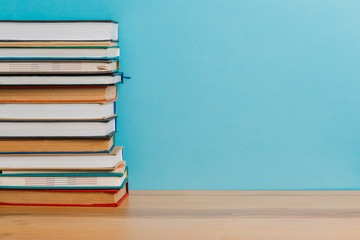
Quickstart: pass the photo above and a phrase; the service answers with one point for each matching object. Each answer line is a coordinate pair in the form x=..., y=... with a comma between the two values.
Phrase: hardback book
x=120, y=168
x=87, y=161
x=56, y=145
x=57, y=43
x=59, y=53
x=96, y=128
x=79, y=111
x=59, y=30
x=84, y=66
x=63, y=180
x=57, y=94
x=54, y=80
x=78, y=198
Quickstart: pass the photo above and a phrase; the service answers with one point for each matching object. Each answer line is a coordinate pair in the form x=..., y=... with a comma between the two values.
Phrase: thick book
x=39, y=111
x=77, y=198
x=58, y=80
x=104, y=161
x=70, y=66
x=63, y=180
x=120, y=168
x=19, y=128
x=57, y=94
x=59, y=30
x=58, y=43
x=59, y=53
x=55, y=145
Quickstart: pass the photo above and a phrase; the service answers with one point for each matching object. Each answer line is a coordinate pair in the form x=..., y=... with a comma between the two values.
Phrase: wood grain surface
x=195, y=215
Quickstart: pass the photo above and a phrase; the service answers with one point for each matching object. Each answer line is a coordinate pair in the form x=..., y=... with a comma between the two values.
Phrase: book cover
x=116, y=203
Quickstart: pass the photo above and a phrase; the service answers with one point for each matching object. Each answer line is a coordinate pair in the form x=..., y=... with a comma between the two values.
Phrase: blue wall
x=232, y=94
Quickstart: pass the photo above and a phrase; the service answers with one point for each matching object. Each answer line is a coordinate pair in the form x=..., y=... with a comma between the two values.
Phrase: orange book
x=48, y=145
x=57, y=94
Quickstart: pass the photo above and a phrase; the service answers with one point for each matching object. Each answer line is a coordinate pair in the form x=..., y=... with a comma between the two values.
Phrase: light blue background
x=232, y=94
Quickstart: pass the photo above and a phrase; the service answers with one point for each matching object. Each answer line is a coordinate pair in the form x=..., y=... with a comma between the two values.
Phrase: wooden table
x=184, y=215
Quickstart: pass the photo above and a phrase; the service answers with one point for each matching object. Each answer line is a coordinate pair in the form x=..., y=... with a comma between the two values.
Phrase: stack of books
x=58, y=87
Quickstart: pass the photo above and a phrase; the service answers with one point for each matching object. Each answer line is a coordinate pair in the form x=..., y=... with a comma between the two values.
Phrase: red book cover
x=71, y=205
